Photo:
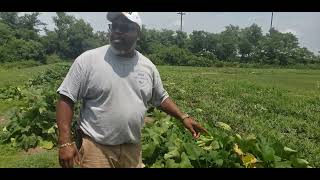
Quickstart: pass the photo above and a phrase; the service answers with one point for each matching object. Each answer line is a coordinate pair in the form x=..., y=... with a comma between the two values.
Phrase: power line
x=181, y=14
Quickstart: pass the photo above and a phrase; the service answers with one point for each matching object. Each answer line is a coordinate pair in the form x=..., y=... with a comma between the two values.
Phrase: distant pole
x=271, y=21
x=181, y=14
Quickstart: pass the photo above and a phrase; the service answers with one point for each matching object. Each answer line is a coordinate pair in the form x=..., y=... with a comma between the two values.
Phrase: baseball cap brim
x=113, y=15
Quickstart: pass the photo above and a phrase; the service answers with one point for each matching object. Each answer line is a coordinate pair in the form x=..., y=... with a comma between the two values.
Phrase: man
x=116, y=85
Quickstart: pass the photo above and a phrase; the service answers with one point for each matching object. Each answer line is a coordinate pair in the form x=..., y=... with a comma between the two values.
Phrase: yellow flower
x=237, y=150
x=249, y=160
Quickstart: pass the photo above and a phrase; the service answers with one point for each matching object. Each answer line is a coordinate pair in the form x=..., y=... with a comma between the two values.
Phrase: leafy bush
x=19, y=50
x=167, y=144
x=10, y=93
x=34, y=124
x=174, y=55
x=219, y=64
x=6, y=33
x=199, y=61
x=54, y=58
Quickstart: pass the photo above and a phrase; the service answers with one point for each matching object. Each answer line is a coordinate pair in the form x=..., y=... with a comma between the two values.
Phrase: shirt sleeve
x=74, y=84
x=159, y=94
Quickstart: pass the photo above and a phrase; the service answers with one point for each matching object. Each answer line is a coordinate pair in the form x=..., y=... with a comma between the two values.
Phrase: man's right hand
x=68, y=156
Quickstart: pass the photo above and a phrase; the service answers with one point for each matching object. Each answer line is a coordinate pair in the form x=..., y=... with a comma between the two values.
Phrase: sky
x=305, y=25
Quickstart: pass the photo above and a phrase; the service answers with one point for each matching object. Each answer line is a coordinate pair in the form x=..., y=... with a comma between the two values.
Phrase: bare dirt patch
x=34, y=151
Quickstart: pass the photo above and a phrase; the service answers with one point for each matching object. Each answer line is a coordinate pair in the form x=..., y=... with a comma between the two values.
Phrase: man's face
x=124, y=34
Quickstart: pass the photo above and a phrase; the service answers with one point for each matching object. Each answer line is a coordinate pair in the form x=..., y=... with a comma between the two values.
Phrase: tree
x=80, y=38
x=73, y=36
x=31, y=22
x=227, y=48
x=24, y=27
x=102, y=37
x=19, y=37
x=10, y=18
x=144, y=41
x=180, y=39
x=248, y=41
x=21, y=50
x=304, y=56
x=277, y=48
x=62, y=22
x=6, y=33
x=151, y=36
x=198, y=41
x=166, y=37
x=50, y=42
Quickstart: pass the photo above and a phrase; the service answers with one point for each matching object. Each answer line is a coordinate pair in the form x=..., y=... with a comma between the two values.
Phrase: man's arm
x=172, y=109
x=67, y=154
x=64, y=119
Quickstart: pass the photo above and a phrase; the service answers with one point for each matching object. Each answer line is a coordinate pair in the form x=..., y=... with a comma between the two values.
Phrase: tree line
x=234, y=44
x=20, y=40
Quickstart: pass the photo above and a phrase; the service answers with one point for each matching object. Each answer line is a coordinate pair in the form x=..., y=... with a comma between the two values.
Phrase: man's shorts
x=95, y=155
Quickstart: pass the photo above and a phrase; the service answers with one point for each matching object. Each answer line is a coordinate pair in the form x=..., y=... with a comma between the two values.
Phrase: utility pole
x=271, y=21
x=181, y=14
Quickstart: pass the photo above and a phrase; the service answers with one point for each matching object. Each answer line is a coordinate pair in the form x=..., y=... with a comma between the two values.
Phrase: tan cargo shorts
x=94, y=155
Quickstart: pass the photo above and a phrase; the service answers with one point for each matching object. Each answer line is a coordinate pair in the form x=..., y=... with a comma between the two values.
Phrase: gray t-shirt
x=115, y=94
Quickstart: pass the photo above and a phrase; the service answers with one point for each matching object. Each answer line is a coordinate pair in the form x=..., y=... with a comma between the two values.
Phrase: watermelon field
x=256, y=118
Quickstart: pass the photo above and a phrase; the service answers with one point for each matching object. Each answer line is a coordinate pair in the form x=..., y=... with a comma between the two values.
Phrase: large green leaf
x=286, y=149
x=204, y=140
x=42, y=110
x=5, y=129
x=213, y=155
x=46, y=144
x=51, y=130
x=192, y=150
x=173, y=153
x=300, y=163
x=158, y=164
x=185, y=162
x=170, y=163
x=268, y=154
x=215, y=145
x=148, y=150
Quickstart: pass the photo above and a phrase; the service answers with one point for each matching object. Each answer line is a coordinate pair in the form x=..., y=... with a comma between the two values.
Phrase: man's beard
x=118, y=52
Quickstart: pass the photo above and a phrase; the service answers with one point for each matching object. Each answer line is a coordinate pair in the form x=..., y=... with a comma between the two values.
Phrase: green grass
x=280, y=103
x=14, y=76
x=11, y=157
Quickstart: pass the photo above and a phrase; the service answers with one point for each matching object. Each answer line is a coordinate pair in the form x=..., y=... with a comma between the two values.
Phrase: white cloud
x=292, y=31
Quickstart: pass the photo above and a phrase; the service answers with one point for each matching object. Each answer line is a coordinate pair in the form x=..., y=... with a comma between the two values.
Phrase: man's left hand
x=193, y=127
